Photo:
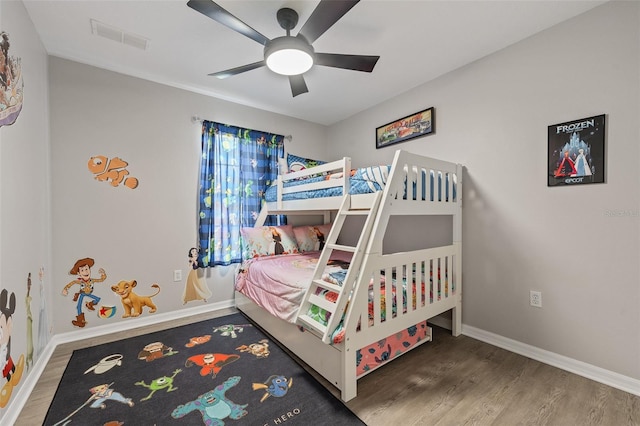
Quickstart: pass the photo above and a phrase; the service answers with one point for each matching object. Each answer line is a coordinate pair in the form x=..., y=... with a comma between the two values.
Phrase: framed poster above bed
x=412, y=126
x=576, y=152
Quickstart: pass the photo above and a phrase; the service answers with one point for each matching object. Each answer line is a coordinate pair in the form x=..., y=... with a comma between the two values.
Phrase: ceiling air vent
x=116, y=34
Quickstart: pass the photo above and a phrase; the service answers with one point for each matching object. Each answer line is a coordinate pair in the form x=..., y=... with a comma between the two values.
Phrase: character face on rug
x=102, y=393
x=160, y=383
x=229, y=330
x=211, y=363
x=214, y=406
x=194, y=341
x=259, y=349
x=155, y=350
x=276, y=386
x=10, y=371
x=106, y=364
x=132, y=302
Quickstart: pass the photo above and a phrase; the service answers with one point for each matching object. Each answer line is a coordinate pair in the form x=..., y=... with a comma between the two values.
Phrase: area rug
x=223, y=371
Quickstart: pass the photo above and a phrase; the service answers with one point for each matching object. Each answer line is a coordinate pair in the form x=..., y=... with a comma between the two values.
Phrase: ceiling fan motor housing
x=287, y=18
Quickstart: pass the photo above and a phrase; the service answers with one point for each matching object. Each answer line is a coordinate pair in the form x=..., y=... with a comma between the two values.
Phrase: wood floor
x=450, y=381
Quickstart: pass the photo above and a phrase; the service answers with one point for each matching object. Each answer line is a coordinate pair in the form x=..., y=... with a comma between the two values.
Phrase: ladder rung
x=327, y=285
x=342, y=248
x=323, y=303
x=356, y=212
x=312, y=324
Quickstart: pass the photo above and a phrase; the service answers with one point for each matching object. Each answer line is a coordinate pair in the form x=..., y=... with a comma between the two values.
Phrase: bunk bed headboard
x=419, y=185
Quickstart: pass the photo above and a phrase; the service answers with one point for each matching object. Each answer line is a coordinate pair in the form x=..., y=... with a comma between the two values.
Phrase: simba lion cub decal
x=132, y=302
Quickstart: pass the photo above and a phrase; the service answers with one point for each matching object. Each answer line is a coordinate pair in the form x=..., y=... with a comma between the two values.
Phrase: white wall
x=144, y=233
x=518, y=234
x=24, y=190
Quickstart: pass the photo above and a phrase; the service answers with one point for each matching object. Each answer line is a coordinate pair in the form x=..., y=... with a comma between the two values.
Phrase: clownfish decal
x=111, y=170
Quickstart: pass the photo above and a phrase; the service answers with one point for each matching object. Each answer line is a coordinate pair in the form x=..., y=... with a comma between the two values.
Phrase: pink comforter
x=278, y=283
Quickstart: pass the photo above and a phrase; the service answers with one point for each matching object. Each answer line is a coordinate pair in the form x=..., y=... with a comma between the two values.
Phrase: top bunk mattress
x=363, y=181
x=366, y=180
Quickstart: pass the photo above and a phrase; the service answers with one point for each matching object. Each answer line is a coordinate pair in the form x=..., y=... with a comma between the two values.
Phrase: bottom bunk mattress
x=278, y=285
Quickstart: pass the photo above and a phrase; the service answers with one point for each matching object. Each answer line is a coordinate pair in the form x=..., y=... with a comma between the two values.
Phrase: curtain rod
x=195, y=119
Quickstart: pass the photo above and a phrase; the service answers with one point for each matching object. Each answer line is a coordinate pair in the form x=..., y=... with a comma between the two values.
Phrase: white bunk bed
x=416, y=185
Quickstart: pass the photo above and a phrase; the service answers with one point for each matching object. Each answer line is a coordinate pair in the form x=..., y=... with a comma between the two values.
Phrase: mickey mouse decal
x=10, y=371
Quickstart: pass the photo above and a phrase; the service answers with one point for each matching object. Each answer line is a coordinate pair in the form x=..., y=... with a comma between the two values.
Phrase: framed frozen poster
x=576, y=152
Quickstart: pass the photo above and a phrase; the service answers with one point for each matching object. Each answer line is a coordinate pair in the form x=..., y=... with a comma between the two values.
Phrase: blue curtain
x=237, y=166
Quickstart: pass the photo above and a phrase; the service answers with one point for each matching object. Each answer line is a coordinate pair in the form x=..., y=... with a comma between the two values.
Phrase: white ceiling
x=417, y=41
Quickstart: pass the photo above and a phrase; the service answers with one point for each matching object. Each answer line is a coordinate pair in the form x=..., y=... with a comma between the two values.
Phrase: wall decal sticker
x=195, y=288
x=43, y=322
x=82, y=268
x=111, y=170
x=11, y=84
x=27, y=301
x=133, y=302
x=10, y=371
x=106, y=311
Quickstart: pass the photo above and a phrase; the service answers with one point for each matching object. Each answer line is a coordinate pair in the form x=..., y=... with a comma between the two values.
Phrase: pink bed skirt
x=378, y=353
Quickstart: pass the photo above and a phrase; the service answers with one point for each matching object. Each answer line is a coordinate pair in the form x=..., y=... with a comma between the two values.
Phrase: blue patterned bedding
x=363, y=181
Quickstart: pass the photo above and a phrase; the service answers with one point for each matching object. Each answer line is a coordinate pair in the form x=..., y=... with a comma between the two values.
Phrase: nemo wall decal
x=111, y=170
x=11, y=84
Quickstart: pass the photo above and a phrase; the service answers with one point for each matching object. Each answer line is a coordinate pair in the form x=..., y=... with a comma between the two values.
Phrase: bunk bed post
x=456, y=313
x=262, y=216
x=349, y=388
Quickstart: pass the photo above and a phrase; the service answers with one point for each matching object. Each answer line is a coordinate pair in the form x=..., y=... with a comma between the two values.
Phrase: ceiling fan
x=291, y=55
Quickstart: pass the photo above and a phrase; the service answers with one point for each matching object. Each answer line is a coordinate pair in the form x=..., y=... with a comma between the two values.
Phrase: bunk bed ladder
x=318, y=284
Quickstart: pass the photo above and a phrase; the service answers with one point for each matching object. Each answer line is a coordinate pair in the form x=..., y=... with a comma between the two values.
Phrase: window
x=237, y=167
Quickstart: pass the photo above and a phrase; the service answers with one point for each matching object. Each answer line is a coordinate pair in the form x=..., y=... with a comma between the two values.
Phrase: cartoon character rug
x=223, y=371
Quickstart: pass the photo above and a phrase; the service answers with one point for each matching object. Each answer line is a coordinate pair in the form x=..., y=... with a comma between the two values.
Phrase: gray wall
x=518, y=234
x=24, y=194
x=144, y=233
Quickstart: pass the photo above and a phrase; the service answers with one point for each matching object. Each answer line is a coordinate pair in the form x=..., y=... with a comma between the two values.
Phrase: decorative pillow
x=311, y=237
x=296, y=163
x=268, y=241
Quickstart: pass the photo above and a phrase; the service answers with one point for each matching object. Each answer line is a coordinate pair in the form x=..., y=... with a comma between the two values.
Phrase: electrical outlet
x=535, y=298
x=177, y=275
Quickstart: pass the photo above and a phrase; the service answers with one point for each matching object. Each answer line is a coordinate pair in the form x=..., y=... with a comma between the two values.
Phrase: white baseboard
x=580, y=368
x=24, y=391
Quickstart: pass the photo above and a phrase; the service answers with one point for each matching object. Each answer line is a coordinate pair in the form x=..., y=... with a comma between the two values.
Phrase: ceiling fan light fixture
x=288, y=55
